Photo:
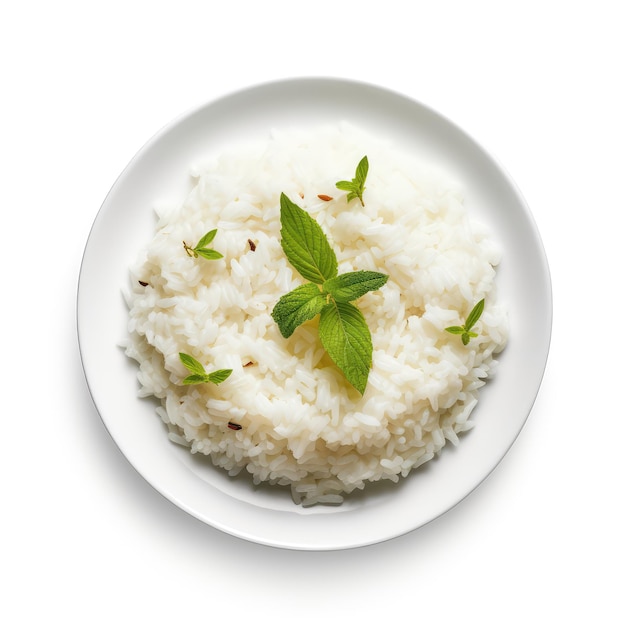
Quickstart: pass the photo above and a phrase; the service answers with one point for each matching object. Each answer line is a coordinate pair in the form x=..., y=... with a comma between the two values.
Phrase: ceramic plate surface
x=159, y=173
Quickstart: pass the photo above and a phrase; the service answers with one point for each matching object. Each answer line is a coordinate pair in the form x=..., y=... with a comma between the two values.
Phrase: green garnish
x=201, y=249
x=356, y=186
x=465, y=330
x=198, y=373
x=342, y=327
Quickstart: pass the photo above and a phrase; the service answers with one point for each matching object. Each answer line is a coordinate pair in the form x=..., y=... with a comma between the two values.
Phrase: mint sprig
x=200, y=249
x=199, y=374
x=356, y=186
x=465, y=330
x=342, y=328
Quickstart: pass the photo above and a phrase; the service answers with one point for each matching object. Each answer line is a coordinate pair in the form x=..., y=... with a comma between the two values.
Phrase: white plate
x=125, y=223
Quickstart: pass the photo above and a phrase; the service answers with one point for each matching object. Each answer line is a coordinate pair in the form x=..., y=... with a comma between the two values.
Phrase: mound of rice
x=302, y=424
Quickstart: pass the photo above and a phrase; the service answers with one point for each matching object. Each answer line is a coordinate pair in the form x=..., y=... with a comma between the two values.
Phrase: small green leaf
x=352, y=195
x=219, y=376
x=194, y=366
x=465, y=338
x=361, y=171
x=298, y=306
x=346, y=185
x=305, y=243
x=352, y=285
x=475, y=314
x=356, y=186
x=196, y=379
x=456, y=330
x=346, y=337
x=206, y=239
x=208, y=253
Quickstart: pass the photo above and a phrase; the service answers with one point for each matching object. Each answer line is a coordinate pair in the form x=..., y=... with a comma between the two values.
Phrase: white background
x=85, y=540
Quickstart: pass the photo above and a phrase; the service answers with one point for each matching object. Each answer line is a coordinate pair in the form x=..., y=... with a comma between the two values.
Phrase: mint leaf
x=356, y=186
x=346, y=337
x=475, y=313
x=207, y=253
x=361, y=171
x=352, y=285
x=207, y=239
x=196, y=379
x=305, y=243
x=298, y=306
x=456, y=330
x=346, y=185
x=219, y=376
x=195, y=367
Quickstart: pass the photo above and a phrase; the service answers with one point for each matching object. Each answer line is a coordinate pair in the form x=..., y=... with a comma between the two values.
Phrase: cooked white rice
x=302, y=423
